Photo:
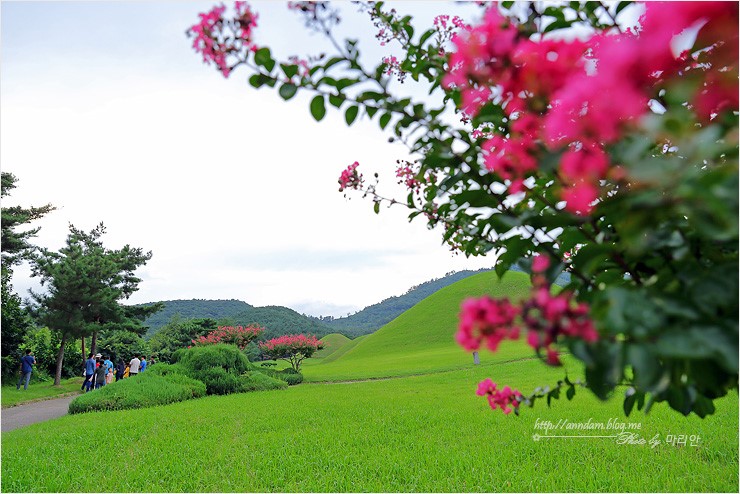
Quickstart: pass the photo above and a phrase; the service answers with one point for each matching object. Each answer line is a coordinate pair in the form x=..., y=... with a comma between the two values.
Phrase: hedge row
x=214, y=369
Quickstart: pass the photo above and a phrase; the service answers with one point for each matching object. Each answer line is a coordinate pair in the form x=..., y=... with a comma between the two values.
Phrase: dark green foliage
x=145, y=390
x=218, y=381
x=218, y=366
x=15, y=324
x=124, y=345
x=228, y=357
x=193, y=309
x=45, y=344
x=85, y=283
x=15, y=245
x=279, y=321
x=178, y=333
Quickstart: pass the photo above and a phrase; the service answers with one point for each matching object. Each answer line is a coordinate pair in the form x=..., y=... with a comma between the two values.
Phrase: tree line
x=83, y=283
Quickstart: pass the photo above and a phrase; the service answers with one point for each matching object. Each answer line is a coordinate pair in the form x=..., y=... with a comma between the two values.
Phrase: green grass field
x=417, y=427
x=39, y=391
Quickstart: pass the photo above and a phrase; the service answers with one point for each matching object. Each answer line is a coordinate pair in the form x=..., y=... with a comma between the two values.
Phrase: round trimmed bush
x=200, y=358
x=219, y=382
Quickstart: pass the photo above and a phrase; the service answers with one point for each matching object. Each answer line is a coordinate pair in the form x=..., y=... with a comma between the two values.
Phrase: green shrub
x=219, y=382
x=228, y=357
x=288, y=375
x=257, y=381
x=162, y=369
x=145, y=390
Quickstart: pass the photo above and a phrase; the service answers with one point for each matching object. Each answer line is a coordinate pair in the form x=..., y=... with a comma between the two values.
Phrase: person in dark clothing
x=89, y=372
x=120, y=369
x=100, y=376
x=27, y=363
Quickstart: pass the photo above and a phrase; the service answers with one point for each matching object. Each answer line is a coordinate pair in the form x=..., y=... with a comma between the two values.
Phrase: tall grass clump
x=145, y=390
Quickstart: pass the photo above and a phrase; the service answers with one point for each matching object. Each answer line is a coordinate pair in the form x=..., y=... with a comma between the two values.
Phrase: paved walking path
x=31, y=413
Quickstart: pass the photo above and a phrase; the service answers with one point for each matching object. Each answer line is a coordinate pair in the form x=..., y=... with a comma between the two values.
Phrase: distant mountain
x=280, y=321
x=193, y=309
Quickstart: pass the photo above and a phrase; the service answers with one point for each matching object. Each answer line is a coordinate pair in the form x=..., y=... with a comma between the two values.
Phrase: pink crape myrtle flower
x=486, y=320
x=350, y=178
x=499, y=398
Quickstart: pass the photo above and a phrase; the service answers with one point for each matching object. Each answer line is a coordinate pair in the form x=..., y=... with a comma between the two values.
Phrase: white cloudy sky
x=108, y=114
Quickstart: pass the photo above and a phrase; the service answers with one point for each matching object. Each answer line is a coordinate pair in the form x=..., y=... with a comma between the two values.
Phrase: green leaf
x=289, y=70
x=645, y=364
x=351, y=114
x=257, y=80
x=571, y=392
x=629, y=401
x=371, y=111
x=384, y=120
x=336, y=100
x=264, y=58
x=318, y=108
x=376, y=208
x=287, y=91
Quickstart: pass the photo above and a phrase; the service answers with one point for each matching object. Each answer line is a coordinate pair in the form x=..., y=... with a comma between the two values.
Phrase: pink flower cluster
x=486, y=320
x=407, y=176
x=290, y=343
x=240, y=336
x=350, y=178
x=549, y=316
x=215, y=43
x=546, y=316
x=393, y=66
x=499, y=398
x=445, y=22
x=583, y=95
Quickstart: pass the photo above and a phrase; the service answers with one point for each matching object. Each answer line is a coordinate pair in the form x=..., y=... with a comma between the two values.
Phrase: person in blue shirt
x=142, y=366
x=108, y=364
x=26, y=368
x=89, y=373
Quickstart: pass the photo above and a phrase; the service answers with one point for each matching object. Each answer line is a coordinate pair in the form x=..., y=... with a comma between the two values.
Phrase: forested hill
x=279, y=321
x=375, y=316
x=194, y=309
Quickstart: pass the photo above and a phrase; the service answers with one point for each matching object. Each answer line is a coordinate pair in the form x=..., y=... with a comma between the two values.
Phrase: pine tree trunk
x=60, y=360
x=94, y=343
x=83, y=350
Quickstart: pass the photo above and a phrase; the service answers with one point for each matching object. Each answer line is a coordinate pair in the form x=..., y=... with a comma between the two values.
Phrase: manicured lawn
x=11, y=396
x=416, y=425
x=425, y=433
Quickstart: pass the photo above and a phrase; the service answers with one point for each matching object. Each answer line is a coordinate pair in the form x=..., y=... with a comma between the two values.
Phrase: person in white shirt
x=134, y=366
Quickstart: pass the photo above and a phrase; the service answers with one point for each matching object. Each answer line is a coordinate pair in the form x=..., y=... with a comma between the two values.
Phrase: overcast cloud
x=108, y=114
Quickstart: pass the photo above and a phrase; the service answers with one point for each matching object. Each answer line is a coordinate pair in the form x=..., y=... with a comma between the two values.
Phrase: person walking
x=108, y=363
x=27, y=363
x=134, y=366
x=89, y=373
x=142, y=366
x=120, y=369
x=100, y=373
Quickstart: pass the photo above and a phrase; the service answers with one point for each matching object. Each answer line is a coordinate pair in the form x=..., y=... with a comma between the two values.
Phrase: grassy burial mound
x=421, y=339
x=332, y=343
